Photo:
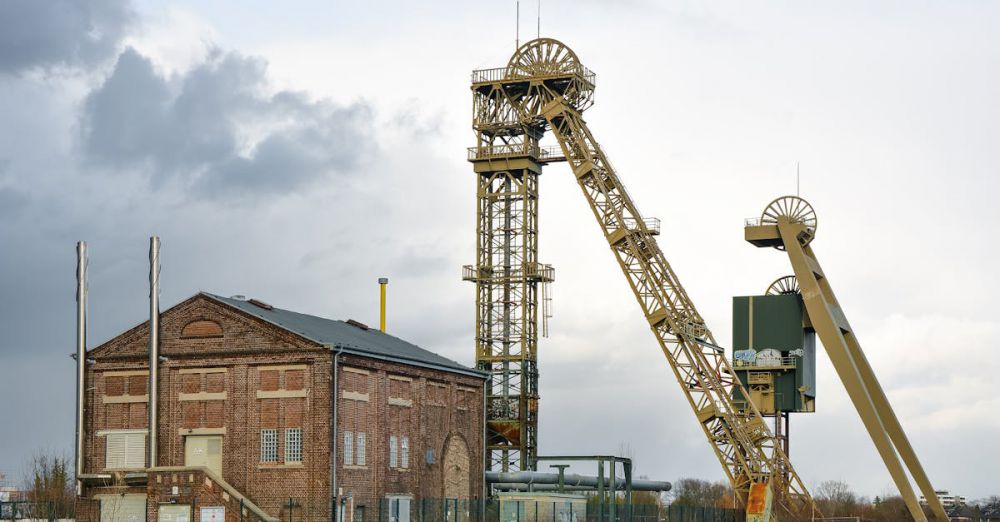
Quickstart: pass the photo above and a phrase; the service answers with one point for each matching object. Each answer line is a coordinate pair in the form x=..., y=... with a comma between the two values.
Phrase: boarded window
x=437, y=394
x=269, y=413
x=203, y=328
x=466, y=398
x=294, y=409
x=295, y=379
x=191, y=383
x=125, y=450
x=114, y=386
x=400, y=388
x=115, y=416
x=354, y=382
x=215, y=382
x=137, y=415
x=269, y=380
x=215, y=414
x=192, y=414
x=137, y=384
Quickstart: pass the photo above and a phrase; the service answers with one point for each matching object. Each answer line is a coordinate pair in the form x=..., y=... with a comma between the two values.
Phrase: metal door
x=204, y=450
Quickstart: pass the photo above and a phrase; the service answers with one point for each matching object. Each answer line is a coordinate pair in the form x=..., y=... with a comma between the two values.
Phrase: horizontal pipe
x=516, y=486
x=571, y=479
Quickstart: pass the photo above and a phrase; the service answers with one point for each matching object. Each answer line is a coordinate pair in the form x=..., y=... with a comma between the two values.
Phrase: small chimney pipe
x=383, y=282
x=154, y=348
x=81, y=349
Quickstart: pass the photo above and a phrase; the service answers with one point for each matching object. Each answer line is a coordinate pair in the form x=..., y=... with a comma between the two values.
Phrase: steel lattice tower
x=507, y=274
x=544, y=87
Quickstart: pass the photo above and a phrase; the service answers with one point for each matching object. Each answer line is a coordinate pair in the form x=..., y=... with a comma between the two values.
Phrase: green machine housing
x=774, y=353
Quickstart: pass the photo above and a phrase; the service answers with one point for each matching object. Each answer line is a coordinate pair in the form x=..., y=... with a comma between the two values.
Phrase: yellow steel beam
x=545, y=87
x=855, y=372
x=749, y=452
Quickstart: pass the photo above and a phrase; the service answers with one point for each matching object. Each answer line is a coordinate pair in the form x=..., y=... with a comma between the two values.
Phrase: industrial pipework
x=154, y=346
x=530, y=480
x=81, y=347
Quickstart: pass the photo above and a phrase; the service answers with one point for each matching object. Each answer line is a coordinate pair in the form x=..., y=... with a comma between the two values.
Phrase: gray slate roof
x=351, y=339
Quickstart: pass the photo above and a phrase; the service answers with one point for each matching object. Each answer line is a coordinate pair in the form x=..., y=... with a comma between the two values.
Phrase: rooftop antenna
x=796, y=179
x=517, y=25
x=539, y=34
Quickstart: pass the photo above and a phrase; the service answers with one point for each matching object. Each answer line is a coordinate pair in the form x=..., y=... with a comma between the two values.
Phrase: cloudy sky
x=297, y=153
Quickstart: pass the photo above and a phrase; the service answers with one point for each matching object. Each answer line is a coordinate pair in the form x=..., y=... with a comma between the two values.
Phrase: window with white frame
x=359, y=454
x=348, y=448
x=404, y=453
x=293, y=445
x=269, y=445
x=125, y=450
x=393, y=457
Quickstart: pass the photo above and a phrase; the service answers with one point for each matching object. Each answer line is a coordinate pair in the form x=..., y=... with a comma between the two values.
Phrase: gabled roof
x=340, y=335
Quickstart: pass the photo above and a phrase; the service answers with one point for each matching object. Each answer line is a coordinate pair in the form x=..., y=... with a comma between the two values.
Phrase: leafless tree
x=48, y=481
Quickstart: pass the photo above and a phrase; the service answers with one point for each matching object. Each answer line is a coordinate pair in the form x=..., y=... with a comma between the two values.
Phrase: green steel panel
x=776, y=322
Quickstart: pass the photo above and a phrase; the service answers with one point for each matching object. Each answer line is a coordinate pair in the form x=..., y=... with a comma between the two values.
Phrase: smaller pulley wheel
x=784, y=286
x=795, y=210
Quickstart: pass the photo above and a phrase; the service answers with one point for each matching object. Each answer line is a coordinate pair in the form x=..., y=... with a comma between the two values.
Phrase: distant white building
x=947, y=499
x=7, y=492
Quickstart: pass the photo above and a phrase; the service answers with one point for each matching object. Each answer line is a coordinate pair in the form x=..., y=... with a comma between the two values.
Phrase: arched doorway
x=456, y=469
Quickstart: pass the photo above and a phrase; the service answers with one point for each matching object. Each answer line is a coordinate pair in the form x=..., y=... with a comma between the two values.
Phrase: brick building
x=248, y=397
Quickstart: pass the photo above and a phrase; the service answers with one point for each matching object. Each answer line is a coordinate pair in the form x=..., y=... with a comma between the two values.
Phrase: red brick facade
x=230, y=374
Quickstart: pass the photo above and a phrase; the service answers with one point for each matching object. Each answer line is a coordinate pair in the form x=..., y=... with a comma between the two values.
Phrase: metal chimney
x=382, y=283
x=81, y=348
x=154, y=346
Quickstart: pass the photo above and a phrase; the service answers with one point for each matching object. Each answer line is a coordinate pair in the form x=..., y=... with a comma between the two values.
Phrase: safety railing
x=536, y=272
x=782, y=362
x=652, y=224
x=550, y=153
x=752, y=222
x=504, y=150
x=489, y=75
x=497, y=74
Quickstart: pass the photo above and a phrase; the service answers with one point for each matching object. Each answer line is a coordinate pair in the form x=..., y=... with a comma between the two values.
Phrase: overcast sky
x=297, y=152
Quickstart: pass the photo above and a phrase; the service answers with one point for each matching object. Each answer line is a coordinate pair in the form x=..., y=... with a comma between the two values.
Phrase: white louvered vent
x=125, y=450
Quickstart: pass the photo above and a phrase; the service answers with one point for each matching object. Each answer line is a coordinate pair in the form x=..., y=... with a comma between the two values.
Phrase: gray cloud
x=216, y=131
x=60, y=32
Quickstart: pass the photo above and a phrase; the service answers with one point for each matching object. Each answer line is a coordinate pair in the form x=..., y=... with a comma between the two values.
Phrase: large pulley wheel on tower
x=543, y=57
x=795, y=210
x=783, y=286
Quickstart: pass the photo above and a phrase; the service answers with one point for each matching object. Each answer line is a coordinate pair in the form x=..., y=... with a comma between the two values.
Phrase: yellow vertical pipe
x=382, y=283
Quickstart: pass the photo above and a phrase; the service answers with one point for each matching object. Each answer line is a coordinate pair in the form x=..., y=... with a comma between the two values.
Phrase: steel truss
x=544, y=86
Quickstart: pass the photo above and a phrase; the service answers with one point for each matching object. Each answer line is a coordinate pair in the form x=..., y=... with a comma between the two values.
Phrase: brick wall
x=234, y=375
x=427, y=406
